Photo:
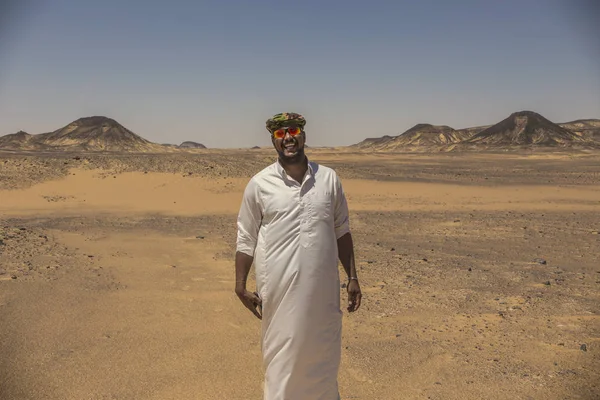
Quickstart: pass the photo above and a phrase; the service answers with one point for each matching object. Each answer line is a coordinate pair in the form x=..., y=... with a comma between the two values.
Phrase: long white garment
x=291, y=229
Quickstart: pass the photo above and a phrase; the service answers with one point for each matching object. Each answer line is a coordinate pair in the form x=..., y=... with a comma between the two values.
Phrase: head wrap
x=285, y=119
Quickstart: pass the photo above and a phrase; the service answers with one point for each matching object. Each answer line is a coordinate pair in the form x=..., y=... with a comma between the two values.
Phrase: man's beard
x=291, y=160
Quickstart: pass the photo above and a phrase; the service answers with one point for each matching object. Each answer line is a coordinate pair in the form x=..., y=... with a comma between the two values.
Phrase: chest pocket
x=320, y=206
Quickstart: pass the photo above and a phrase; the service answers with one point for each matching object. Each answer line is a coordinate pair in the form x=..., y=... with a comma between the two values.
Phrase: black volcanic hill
x=14, y=141
x=86, y=134
x=586, y=128
x=96, y=133
x=467, y=133
x=525, y=128
x=427, y=134
x=419, y=136
x=374, y=142
x=191, y=145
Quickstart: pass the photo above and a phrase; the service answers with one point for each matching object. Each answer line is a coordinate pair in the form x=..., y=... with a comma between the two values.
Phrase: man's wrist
x=352, y=278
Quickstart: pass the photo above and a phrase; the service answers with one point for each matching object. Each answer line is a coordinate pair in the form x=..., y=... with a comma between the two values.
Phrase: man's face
x=289, y=143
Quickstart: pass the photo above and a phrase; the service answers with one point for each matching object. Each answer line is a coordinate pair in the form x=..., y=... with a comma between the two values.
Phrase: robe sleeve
x=341, y=217
x=249, y=219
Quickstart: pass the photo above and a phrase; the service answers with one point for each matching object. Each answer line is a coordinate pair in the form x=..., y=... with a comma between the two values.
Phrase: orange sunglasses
x=280, y=133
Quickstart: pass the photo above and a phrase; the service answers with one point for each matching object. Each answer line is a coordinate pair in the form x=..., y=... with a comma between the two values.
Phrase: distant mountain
x=191, y=145
x=525, y=128
x=470, y=132
x=86, y=134
x=586, y=128
x=374, y=142
x=14, y=141
x=419, y=136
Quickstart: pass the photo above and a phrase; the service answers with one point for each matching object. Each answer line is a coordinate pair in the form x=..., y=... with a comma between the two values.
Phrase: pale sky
x=214, y=71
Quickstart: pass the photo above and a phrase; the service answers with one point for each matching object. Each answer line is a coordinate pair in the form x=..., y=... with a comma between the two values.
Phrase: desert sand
x=480, y=276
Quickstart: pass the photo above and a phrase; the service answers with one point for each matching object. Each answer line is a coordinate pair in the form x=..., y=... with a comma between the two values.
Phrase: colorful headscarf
x=283, y=119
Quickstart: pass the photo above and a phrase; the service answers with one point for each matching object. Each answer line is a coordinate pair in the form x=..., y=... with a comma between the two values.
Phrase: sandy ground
x=480, y=274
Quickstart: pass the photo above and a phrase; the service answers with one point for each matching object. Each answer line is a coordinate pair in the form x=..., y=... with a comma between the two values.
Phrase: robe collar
x=310, y=171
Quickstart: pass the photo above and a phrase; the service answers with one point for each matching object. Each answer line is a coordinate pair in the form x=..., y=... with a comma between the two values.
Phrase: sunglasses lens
x=280, y=133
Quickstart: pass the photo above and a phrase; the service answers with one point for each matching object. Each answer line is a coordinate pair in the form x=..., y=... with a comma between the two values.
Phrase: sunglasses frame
x=286, y=130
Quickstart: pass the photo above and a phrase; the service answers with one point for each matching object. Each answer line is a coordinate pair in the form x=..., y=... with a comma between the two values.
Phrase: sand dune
x=85, y=191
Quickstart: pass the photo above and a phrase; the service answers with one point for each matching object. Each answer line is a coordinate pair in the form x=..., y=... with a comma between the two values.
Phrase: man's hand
x=354, y=295
x=250, y=300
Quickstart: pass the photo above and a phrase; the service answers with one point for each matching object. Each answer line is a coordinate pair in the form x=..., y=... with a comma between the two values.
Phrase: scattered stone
x=424, y=259
x=595, y=232
x=343, y=286
x=540, y=261
x=583, y=347
x=567, y=372
x=13, y=277
x=470, y=269
x=547, y=283
x=392, y=249
x=199, y=237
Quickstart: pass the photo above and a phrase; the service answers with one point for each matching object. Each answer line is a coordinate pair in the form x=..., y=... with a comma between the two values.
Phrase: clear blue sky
x=214, y=71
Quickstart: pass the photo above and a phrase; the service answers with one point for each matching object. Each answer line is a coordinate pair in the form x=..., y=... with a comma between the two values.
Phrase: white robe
x=291, y=230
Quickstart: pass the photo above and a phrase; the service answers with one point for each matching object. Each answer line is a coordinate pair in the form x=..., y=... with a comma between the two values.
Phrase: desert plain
x=480, y=275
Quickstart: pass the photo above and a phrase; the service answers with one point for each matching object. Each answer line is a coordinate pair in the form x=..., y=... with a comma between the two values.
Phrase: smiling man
x=293, y=225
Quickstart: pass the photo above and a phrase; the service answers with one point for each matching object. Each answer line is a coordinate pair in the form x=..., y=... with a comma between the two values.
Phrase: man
x=293, y=225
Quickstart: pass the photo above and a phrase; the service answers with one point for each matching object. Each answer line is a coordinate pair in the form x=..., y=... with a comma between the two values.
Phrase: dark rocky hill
x=85, y=134
x=15, y=141
x=423, y=136
x=520, y=129
x=191, y=145
x=525, y=128
x=586, y=128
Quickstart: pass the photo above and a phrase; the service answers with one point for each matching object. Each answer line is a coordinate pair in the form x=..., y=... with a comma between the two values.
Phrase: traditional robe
x=291, y=230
